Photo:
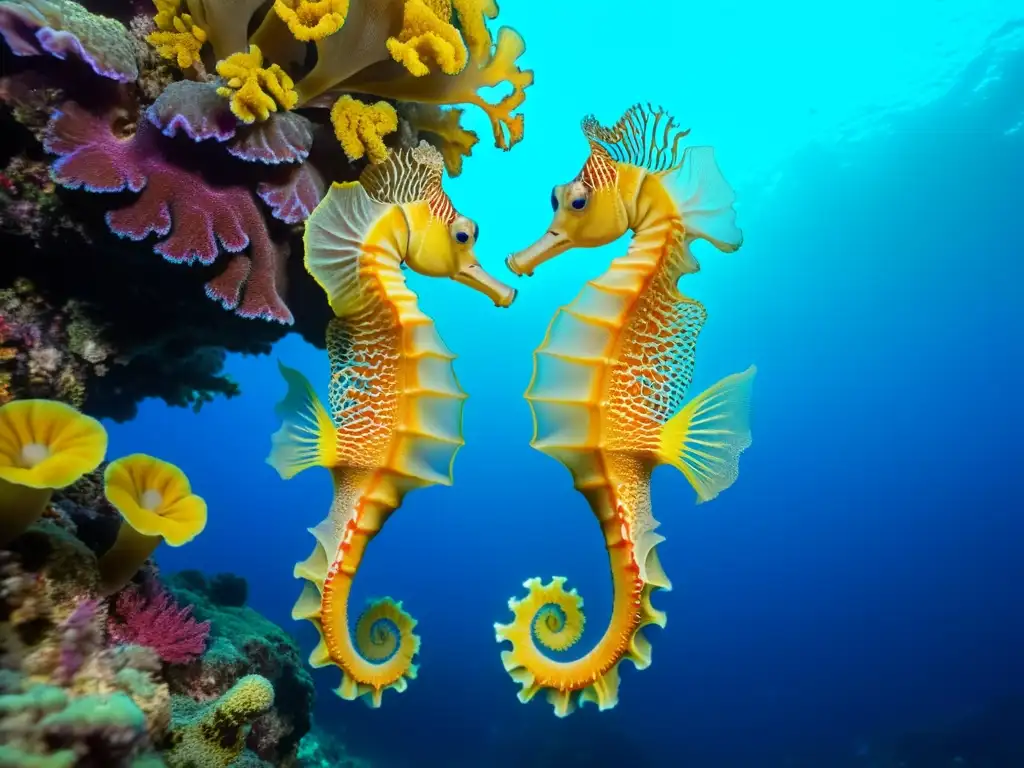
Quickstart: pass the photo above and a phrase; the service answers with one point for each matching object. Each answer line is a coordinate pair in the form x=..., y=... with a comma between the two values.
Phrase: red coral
x=157, y=622
x=175, y=203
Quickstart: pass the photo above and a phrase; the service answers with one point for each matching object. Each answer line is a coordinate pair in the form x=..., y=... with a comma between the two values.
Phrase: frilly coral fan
x=63, y=27
x=155, y=621
x=192, y=215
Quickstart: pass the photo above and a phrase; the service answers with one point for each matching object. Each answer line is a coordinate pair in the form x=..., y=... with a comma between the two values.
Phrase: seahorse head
x=596, y=208
x=440, y=241
x=588, y=212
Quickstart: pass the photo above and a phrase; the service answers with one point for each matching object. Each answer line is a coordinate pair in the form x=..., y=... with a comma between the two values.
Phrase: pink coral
x=155, y=621
x=294, y=195
x=178, y=204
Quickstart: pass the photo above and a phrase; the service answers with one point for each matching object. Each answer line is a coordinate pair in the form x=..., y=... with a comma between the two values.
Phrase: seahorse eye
x=579, y=203
x=554, y=201
x=462, y=237
x=476, y=232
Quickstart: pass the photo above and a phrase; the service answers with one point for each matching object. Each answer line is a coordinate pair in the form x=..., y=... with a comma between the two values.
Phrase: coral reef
x=131, y=680
x=203, y=133
x=242, y=642
x=319, y=749
x=134, y=669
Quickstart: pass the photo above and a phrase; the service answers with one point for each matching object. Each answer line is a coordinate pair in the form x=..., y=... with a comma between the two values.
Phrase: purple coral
x=155, y=621
x=175, y=203
x=79, y=636
x=198, y=111
x=194, y=108
x=63, y=27
x=295, y=196
x=285, y=137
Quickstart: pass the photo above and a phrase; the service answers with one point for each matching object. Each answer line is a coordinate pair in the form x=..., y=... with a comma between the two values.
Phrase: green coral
x=87, y=713
x=213, y=735
x=40, y=727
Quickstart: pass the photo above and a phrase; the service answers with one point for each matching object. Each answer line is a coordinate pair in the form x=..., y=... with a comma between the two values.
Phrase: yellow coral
x=213, y=736
x=492, y=62
x=178, y=38
x=255, y=91
x=361, y=127
x=311, y=20
x=444, y=130
x=427, y=36
x=441, y=8
x=472, y=21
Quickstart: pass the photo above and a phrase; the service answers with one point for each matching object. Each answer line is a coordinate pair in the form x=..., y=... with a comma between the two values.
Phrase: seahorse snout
x=524, y=262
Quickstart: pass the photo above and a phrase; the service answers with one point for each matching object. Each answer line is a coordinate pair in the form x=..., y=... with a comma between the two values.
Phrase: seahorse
x=609, y=386
x=395, y=421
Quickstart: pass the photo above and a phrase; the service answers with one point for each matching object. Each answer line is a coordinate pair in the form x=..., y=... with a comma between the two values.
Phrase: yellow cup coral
x=255, y=91
x=44, y=445
x=360, y=127
x=156, y=504
x=311, y=20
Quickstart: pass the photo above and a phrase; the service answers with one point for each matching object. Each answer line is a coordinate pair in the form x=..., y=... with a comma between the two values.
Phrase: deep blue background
x=864, y=576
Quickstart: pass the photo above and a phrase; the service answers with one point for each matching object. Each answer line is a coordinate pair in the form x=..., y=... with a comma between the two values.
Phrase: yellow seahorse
x=609, y=384
x=396, y=405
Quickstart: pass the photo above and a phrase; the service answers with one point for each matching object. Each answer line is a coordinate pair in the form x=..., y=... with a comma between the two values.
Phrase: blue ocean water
x=864, y=577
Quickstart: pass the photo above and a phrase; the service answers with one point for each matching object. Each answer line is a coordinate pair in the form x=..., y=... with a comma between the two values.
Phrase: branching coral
x=490, y=65
x=360, y=127
x=254, y=90
x=63, y=27
x=191, y=214
x=155, y=621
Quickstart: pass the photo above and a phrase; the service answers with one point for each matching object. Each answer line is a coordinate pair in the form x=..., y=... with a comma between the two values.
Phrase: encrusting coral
x=213, y=735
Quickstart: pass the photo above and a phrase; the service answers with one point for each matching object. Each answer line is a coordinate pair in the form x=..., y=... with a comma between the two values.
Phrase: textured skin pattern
x=363, y=391
x=649, y=378
x=411, y=175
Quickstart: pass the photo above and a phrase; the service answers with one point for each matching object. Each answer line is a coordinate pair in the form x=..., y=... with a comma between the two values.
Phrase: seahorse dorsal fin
x=645, y=136
x=409, y=175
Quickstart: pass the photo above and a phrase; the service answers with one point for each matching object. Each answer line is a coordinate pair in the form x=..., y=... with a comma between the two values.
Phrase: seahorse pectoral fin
x=307, y=435
x=705, y=439
x=335, y=239
x=705, y=200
